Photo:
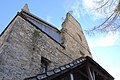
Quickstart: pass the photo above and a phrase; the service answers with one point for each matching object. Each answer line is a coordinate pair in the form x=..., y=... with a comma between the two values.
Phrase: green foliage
x=36, y=36
x=36, y=33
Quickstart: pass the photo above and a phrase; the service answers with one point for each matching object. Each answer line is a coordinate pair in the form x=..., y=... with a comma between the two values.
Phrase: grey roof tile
x=41, y=76
x=62, y=68
x=67, y=66
x=56, y=70
x=78, y=61
x=51, y=72
x=71, y=64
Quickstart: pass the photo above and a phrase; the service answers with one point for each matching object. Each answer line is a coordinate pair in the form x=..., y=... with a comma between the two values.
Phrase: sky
x=104, y=48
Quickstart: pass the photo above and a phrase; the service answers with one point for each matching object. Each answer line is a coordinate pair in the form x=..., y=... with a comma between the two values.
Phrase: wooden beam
x=89, y=73
x=98, y=71
x=82, y=73
x=93, y=73
x=71, y=76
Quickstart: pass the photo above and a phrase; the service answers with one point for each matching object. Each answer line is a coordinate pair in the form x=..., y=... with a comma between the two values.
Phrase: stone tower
x=30, y=45
x=73, y=38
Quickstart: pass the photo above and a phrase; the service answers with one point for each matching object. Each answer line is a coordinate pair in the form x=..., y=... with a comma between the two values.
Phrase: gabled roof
x=28, y=14
x=25, y=13
x=34, y=19
x=49, y=75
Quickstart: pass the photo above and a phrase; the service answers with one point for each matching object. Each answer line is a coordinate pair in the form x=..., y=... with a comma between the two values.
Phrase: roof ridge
x=36, y=17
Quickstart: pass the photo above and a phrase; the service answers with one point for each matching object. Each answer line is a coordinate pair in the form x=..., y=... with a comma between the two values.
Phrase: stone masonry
x=21, y=49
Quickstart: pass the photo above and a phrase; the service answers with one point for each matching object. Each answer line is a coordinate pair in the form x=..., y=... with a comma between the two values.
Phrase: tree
x=111, y=9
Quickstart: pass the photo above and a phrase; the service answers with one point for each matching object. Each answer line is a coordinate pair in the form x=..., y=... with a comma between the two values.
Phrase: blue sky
x=104, y=48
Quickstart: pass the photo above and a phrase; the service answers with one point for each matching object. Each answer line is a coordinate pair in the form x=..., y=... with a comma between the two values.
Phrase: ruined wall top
x=73, y=37
x=26, y=8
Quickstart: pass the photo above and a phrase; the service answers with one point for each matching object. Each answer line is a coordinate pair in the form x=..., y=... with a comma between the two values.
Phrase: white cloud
x=91, y=7
x=83, y=7
x=75, y=8
x=110, y=39
x=88, y=4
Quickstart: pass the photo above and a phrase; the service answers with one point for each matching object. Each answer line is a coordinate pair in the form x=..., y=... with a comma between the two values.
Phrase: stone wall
x=22, y=46
x=73, y=38
x=20, y=54
x=4, y=36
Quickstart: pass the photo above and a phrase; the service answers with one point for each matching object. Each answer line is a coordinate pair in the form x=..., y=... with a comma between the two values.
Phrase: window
x=44, y=65
x=47, y=30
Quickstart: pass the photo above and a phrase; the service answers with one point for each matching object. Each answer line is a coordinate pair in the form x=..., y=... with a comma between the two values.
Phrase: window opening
x=44, y=64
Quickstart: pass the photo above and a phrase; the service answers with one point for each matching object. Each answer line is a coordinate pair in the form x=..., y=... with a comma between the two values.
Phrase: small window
x=44, y=64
